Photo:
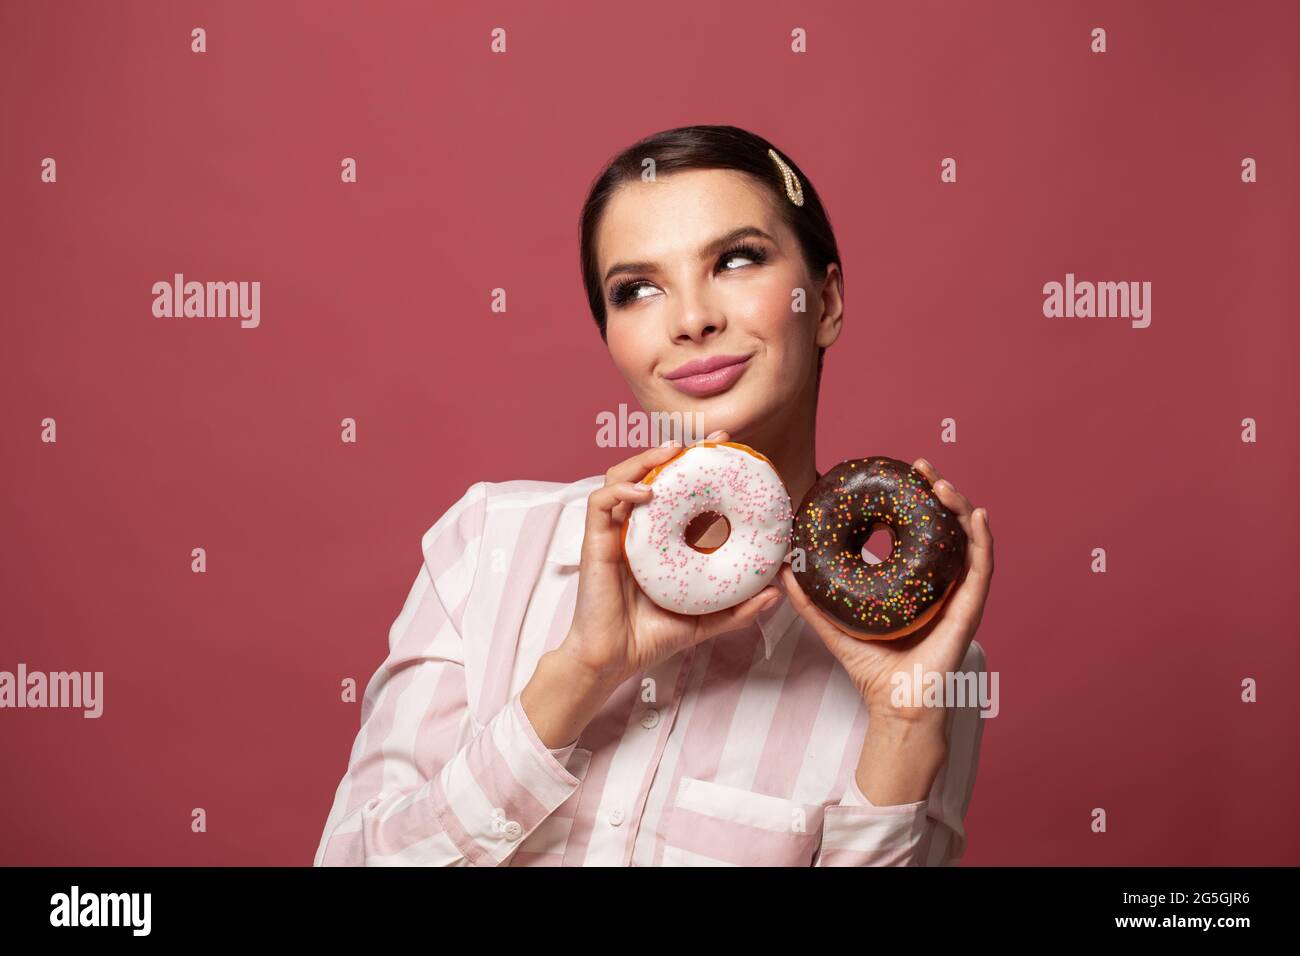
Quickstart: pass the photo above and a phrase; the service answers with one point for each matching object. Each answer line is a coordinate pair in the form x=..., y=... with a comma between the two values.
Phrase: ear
x=832, y=317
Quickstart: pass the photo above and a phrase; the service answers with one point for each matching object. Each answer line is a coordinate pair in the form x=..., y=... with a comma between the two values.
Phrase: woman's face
x=698, y=269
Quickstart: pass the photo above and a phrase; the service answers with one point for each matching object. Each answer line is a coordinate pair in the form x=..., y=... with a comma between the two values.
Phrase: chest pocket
x=712, y=824
x=546, y=844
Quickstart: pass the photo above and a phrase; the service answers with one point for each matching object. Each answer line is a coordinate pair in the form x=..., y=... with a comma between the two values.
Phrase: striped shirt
x=741, y=750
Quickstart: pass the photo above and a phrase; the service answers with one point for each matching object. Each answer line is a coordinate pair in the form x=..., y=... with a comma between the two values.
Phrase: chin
x=736, y=410
x=722, y=411
x=741, y=411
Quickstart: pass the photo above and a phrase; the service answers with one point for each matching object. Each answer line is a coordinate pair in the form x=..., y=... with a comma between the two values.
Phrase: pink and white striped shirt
x=741, y=750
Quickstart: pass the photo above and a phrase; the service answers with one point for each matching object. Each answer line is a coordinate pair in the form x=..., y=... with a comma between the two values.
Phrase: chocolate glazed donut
x=840, y=512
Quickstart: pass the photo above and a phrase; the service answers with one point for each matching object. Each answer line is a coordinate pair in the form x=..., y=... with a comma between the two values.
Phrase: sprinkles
x=840, y=512
x=725, y=478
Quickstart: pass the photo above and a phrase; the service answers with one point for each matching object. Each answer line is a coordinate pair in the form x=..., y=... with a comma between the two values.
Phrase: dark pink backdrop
x=1118, y=690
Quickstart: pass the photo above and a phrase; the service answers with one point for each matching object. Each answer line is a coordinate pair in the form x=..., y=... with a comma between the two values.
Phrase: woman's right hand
x=617, y=631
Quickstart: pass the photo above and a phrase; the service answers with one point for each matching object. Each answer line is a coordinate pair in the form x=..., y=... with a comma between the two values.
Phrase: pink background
x=1118, y=690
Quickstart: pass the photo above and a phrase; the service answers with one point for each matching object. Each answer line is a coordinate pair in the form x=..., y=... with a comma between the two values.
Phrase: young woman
x=536, y=709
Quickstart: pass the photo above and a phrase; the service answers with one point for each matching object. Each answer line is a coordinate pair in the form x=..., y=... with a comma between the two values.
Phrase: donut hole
x=707, y=531
x=879, y=544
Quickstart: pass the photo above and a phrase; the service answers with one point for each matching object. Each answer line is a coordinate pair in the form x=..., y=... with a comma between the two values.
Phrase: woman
x=536, y=709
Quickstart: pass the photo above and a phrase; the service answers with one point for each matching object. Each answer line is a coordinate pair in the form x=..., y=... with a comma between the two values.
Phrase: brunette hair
x=708, y=147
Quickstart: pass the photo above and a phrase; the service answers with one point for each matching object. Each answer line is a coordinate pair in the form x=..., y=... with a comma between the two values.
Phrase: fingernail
x=942, y=483
x=986, y=518
x=713, y=435
x=928, y=466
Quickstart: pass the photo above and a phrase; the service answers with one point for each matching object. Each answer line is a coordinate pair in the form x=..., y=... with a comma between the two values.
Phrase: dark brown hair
x=708, y=147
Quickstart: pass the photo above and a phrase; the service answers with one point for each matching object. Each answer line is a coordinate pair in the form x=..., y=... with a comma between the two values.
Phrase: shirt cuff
x=501, y=786
x=561, y=754
x=854, y=797
x=856, y=832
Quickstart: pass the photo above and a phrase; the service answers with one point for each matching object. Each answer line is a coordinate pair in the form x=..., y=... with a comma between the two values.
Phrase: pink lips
x=708, y=376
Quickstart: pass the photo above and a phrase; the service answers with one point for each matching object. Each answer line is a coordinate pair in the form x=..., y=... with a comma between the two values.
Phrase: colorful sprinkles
x=718, y=478
x=839, y=514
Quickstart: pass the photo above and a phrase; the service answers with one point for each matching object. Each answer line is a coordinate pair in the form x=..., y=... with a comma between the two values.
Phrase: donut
x=732, y=480
x=903, y=592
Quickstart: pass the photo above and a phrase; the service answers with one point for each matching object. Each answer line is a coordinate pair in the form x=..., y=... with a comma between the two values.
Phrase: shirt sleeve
x=422, y=787
x=930, y=832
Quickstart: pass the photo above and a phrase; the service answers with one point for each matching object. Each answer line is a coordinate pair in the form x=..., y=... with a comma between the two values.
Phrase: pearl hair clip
x=793, y=189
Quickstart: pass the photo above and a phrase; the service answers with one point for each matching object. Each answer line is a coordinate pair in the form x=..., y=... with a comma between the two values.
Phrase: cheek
x=630, y=348
x=770, y=312
x=774, y=320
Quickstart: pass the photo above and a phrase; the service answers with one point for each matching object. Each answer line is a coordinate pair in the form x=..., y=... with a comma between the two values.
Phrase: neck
x=792, y=451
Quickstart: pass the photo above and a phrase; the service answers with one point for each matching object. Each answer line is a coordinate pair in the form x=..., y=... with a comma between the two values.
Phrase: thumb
x=734, y=618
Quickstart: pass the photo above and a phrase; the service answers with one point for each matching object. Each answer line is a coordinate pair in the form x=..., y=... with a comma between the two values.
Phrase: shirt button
x=650, y=719
x=615, y=817
x=512, y=830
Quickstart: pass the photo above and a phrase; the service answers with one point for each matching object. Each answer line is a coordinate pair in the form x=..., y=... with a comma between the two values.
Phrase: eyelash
x=622, y=291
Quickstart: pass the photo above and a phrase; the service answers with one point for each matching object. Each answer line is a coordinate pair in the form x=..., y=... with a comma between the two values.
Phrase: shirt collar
x=779, y=621
x=565, y=550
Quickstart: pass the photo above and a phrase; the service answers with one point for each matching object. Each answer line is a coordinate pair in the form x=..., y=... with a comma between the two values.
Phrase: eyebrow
x=708, y=250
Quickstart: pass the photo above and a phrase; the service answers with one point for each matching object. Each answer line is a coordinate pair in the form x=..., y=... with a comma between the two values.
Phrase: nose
x=697, y=321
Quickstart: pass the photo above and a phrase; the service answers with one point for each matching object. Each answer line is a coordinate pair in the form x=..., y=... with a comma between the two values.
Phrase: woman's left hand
x=940, y=645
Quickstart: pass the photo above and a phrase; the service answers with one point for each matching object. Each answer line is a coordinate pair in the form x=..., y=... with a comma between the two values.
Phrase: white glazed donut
x=732, y=480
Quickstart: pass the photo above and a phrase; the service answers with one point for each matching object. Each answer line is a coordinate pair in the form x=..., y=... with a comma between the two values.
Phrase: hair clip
x=792, y=187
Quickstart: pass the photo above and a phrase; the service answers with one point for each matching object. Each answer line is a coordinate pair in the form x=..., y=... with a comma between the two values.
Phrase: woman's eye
x=629, y=291
x=625, y=292
x=751, y=254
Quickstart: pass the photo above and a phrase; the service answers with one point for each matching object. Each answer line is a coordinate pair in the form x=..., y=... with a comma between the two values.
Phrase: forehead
x=656, y=221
